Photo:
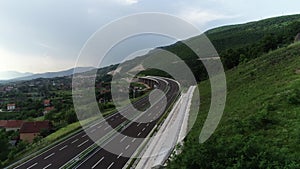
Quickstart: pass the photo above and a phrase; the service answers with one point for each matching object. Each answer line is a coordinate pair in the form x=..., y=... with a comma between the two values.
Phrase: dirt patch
x=297, y=71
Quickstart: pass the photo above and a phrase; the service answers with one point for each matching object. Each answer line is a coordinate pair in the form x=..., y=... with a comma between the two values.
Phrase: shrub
x=294, y=98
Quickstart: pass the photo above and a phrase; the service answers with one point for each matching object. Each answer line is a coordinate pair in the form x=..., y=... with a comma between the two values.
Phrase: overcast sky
x=47, y=35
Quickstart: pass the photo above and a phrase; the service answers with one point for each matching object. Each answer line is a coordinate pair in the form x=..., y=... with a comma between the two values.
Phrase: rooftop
x=11, y=123
x=35, y=127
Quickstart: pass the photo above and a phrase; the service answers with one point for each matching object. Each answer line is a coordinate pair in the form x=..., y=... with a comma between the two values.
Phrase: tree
x=70, y=116
x=269, y=42
x=4, y=148
x=230, y=58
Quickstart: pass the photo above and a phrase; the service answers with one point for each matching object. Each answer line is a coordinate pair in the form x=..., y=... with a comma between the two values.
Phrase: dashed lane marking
x=120, y=155
x=82, y=143
x=97, y=163
x=74, y=141
x=63, y=147
x=123, y=138
x=32, y=165
x=110, y=165
x=47, y=166
x=49, y=156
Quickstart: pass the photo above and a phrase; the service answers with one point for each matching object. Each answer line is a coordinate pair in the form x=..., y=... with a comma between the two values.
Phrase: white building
x=11, y=107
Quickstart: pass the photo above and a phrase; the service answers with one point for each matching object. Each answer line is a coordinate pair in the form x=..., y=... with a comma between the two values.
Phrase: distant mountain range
x=11, y=76
x=7, y=75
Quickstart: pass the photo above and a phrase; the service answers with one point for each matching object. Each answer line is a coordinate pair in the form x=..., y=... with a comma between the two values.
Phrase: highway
x=65, y=151
x=128, y=144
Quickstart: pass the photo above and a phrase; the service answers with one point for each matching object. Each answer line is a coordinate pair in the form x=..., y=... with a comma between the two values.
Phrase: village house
x=48, y=109
x=47, y=103
x=11, y=107
x=30, y=130
x=9, y=88
x=2, y=123
x=10, y=125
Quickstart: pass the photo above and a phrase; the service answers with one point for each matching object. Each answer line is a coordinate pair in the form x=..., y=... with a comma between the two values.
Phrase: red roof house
x=3, y=123
x=30, y=130
x=11, y=124
x=48, y=109
x=47, y=103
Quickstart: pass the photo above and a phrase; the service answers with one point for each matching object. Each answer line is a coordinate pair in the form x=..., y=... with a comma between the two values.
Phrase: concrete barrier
x=172, y=132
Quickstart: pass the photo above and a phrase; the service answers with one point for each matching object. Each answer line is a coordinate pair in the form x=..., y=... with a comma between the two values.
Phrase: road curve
x=128, y=144
x=60, y=154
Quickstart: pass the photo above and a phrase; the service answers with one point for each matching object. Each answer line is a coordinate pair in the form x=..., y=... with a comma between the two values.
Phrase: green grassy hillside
x=260, y=127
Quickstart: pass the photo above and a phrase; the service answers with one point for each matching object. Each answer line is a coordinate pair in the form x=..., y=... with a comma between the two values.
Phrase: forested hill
x=260, y=126
x=241, y=43
x=236, y=36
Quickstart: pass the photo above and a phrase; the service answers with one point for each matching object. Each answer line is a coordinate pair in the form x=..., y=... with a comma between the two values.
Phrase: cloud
x=31, y=63
x=124, y=2
x=202, y=17
x=131, y=1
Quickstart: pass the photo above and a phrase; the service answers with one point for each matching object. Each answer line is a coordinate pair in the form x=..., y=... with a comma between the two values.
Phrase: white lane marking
x=83, y=143
x=93, y=125
x=63, y=147
x=49, y=156
x=127, y=147
x=139, y=133
x=144, y=129
x=133, y=140
x=138, y=124
x=47, y=166
x=93, y=130
x=74, y=141
x=98, y=162
x=83, y=136
x=106, y=128
x=148, y=124
x=110, y=165
x=120, y=155
x=32, y=165
x=78, y=134
x=123, y=139
x=99, y=127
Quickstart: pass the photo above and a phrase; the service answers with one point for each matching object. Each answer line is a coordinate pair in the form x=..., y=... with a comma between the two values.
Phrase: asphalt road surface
x=128, y=144
x=55, y=157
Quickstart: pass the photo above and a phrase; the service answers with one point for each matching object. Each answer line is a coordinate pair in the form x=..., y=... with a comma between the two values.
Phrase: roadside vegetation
x=260, y=127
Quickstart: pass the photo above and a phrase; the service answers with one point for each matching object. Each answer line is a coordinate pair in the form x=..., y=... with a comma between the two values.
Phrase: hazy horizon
x=47, y=36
